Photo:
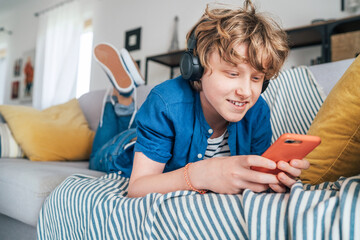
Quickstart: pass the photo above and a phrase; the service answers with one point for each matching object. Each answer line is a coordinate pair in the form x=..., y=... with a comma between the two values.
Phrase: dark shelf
x=304, y=36
x=171, y=59
x=345, y=25
x=320, y=34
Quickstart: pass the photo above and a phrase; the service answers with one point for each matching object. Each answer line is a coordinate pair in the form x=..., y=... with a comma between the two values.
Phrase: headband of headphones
x=191, y=42
x=190, y=66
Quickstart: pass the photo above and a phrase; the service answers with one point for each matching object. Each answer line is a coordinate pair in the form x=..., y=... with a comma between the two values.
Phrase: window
x=85, y=55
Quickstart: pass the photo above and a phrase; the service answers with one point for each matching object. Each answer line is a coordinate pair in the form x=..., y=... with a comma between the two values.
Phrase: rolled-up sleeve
x=155, y=130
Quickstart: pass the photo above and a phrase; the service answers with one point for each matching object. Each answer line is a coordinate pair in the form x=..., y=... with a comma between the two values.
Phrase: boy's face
x=228, y=91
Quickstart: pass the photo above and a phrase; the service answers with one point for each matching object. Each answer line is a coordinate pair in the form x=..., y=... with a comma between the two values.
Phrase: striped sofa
x=94, y=206
x=84, y=207
x=24, y=184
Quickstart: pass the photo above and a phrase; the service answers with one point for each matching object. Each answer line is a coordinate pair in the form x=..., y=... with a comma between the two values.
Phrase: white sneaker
x=113, y=65
x=132, y=67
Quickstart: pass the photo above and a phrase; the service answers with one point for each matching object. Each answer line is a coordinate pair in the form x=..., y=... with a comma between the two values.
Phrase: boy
x=207, y=132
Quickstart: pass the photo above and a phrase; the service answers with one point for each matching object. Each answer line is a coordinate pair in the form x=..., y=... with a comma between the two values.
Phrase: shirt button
x=199, y=155
x=210, y=131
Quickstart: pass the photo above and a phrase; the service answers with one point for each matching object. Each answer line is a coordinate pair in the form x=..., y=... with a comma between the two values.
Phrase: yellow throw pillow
x=57, y=133
x=337, y=123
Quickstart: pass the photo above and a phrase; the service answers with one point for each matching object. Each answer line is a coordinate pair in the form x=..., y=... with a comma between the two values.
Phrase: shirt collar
x=205, y=127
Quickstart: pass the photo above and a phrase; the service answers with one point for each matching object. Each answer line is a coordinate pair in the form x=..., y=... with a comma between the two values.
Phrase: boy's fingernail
x=272, y=165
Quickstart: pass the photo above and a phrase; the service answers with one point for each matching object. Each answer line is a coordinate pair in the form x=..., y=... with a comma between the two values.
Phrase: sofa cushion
x=92, y=102
x=25, y=184
x=328, y=74
x=294, y=98
x=60, y=132
x=8, y=145
x=337, y=123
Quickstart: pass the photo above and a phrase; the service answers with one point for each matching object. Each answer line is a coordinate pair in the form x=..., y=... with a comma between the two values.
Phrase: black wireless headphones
x=190, y=66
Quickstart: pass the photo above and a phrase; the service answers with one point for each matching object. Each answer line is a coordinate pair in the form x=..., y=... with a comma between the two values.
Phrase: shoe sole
x=113, y=65
x=132, y=67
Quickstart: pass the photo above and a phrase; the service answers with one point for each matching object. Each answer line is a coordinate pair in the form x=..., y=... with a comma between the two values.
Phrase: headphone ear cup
x=186, y=67
x=265, y=85
x=190, y=67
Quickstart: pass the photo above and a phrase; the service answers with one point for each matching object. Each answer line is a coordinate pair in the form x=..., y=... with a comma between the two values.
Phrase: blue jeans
x=111, y=151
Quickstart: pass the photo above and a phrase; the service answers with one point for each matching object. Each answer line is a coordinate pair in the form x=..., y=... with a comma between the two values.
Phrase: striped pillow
x=8, y=146
x=2, y=120
x=294, y=99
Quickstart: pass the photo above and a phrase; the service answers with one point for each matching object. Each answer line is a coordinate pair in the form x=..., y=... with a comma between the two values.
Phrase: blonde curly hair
x=222, y=29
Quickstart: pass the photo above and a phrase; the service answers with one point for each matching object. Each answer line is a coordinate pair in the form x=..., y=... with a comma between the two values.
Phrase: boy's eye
x=257, y=78
x=233, y=74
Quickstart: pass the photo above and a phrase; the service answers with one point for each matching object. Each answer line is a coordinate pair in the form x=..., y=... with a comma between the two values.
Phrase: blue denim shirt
x=171, y=127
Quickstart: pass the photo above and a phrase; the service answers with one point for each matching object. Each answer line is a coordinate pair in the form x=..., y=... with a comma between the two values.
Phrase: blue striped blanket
x=84, y=207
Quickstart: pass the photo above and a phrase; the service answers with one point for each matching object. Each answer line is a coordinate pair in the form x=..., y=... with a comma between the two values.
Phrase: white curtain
x=57, y=54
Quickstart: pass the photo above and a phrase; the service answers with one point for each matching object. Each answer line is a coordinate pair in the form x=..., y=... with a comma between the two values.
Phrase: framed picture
x=132, y=39
x=17, y=67
x=27, y=76
x=15, y=85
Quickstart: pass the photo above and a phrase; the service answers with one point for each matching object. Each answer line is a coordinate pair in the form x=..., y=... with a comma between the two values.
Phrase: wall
x=112, y=18
x=23, y=28
x=23, y=24
x=156, y=19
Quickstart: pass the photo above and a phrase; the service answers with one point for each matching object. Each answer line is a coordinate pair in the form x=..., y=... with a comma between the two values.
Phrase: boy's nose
x=244, y=90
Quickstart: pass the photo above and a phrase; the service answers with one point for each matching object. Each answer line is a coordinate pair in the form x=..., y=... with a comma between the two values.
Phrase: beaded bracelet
x=188, y=180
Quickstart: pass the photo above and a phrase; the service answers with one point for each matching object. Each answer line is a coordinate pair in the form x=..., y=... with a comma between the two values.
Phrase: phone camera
x=293, y=141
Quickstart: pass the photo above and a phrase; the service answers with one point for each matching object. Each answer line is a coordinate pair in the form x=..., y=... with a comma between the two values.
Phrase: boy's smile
x=239, y=105
x=229, y=91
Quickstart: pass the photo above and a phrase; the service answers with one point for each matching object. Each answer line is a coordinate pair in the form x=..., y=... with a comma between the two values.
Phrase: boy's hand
x=291, y=171
x=231, y=175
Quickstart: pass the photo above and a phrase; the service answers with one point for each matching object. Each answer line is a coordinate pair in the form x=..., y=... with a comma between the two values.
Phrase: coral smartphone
x=287, y=147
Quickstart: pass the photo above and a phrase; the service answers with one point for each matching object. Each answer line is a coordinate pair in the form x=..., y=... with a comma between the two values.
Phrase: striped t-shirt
x=218, y=147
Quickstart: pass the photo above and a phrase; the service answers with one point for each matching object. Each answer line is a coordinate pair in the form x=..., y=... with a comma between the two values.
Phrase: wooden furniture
x=310, y=35
x=320, y=34
x=171, y=59
x=345, y=45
